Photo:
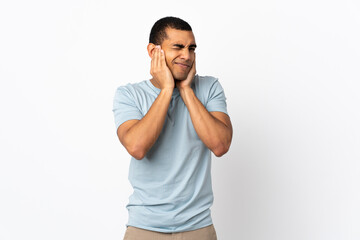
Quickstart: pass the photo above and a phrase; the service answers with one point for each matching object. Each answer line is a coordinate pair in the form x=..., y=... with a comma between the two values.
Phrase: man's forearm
x=215, y=134
x=142, y=135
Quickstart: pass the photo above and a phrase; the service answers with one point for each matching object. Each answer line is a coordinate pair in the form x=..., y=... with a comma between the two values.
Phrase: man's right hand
x=160, y=71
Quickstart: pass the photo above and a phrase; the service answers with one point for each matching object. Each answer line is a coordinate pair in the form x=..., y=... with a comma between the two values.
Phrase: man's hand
x=160, y=71
x=187, y=82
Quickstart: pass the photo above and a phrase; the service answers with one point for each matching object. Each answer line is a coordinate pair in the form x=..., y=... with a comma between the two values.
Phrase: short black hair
x=158, y=33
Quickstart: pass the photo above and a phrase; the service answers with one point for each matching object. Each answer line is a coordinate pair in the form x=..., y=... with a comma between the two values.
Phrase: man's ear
x=150, y=49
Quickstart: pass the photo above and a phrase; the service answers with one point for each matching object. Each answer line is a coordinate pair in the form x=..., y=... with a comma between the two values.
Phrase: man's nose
x=185, y=54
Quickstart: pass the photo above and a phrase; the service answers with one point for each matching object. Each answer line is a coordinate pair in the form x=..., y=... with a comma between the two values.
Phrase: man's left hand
x=187, y=82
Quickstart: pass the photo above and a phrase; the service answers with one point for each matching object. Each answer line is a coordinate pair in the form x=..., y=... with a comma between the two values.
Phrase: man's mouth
x=183, y=65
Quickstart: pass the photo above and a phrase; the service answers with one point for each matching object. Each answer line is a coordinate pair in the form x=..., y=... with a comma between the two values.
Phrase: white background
x=290, y=70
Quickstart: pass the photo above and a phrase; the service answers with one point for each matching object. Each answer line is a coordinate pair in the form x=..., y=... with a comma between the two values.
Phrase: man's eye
x=192, y=49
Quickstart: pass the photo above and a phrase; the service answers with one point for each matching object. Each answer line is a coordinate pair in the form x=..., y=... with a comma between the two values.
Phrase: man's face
x=179, y=48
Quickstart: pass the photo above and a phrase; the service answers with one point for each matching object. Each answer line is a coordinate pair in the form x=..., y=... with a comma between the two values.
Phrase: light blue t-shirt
x=172, y=183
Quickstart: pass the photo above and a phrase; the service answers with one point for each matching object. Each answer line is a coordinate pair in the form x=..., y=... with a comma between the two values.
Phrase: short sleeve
x=124, y=107
x=216, y=101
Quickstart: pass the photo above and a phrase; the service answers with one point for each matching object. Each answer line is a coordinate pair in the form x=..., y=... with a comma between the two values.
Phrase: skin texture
x=173, y=64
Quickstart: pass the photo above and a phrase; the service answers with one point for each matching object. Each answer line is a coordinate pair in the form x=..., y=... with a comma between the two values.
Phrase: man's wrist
x=167, y=90
x=185, y=89
x=186, y=93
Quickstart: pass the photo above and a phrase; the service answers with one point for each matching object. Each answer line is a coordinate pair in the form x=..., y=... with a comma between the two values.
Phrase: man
x=170, y=124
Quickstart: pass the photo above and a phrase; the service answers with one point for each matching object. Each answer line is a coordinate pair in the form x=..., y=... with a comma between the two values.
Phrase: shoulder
x=131, y=89
x=204, y=81
x=206, y=84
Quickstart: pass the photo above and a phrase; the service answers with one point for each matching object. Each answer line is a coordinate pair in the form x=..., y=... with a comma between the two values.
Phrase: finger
x=153, y=62
x=154, y=59
x=162, y=58
x=194, y=64
x=158, y=60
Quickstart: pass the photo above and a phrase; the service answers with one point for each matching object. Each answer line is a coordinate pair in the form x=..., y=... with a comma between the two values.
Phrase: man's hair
x=158, y=33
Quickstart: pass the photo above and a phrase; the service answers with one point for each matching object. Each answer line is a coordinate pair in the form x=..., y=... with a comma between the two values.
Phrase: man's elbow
x=136, y=152
x=220, y=150
x=138, y=156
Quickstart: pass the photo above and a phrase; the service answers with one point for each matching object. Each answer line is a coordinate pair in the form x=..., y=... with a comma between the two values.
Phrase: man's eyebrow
x=178, y=45
x=182, y=46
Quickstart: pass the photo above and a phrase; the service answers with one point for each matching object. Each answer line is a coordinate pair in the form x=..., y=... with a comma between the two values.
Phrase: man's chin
x=180, y=77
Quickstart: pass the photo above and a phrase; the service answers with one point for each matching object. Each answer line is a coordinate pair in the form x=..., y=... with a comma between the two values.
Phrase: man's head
x=176, y=38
